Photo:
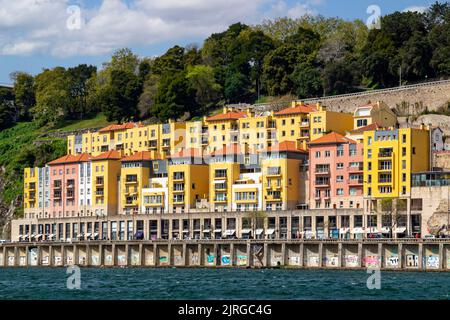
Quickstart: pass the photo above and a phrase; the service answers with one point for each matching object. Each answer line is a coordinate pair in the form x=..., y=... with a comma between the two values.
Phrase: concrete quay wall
x=405, y=254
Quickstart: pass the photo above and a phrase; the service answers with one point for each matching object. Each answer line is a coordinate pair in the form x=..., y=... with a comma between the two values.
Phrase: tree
x=78, y=89
x=52, y=96
x=120, y=98
x=236, y=87
x=24, y=93
x=207, y=91
x=307, y=80
x=123, y=60
x=171, y=61
x=338, y=78
x=6, y=108
x=173, y=97
x=147, y=99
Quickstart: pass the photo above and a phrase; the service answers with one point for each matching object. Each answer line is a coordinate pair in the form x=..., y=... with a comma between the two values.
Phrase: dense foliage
x=306, y=57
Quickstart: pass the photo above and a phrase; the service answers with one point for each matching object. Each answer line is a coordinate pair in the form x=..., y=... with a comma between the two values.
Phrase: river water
x=172, y=283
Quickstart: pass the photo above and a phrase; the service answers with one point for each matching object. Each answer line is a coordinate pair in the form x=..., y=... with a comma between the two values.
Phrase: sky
x=37, y=34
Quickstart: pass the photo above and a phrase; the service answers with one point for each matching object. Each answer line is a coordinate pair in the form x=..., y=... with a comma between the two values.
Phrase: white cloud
x=420, y=9
x=30, y=26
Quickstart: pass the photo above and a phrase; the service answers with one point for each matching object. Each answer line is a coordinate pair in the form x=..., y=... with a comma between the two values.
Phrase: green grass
x=98, y=121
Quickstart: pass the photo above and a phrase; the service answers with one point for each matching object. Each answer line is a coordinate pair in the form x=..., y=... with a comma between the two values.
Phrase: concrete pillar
x=249, y=255
x=113, y=254
x=421, y=265
x=75, y=255
x=100, y=255
x=441, y=256
x=127, y=254
x=169, y=254
x=26, y=256
x=5, y=258
x=321, y=256
x=380, y=255
x=408, y=217
x=283, y=254
x=360, y=254
x=289, y=227
x=277, y=228
x=38, y=255
x=63, y=255
x=51, y=254
x=314, y=226
x=170, y=230
x=302, y=258
x=232, y=254
x=400, y=256
x=16, y=256
x=185, y=254
x=200, y=254
x=155, y=255
x=340, y=254
x=266, y=255
x=216, y=254
x=141, y=255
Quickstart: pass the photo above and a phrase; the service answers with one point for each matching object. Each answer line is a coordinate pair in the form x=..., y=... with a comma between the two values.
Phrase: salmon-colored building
x=336, y=172
x=64, y=180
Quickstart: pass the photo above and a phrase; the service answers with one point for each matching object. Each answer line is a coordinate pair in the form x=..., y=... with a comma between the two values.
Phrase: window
x=340, y=166
x=340, y=192
x=369, y=153
x=361, y=122
x=404, y=164
x=404, y=138
x=369, y=141
x=340, y=179
x=327, y=154
x=340, y=151
x=317, y=154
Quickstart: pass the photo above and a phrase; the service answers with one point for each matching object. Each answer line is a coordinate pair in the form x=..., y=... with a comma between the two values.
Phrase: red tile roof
x=296, y=110
x=370, y=127
x=109, y=155
x=187, y=153
x=230, y=115
x=332, y=138
x=70, y=158
x=139, y=156
x=227, y=150
x=116, y=127
x=285, y=146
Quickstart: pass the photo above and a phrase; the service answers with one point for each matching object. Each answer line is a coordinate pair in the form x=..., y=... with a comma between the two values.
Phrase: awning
x=270, y=231
x=51, y=236
x=372, y=230
x=400, y=230
x=217, y=230
x=26, y=236
x=344, y=230
x=80, y=235
x=229, y=232
x=357, y=230
x=207, y=230
x=185, y=231
x=88, y=235
x=385, y=230
x=245, y=231
x=33, y=235
x=20, y=236
x=95, y=234
x=197, y=230
x=39, y=235
x=259, y=231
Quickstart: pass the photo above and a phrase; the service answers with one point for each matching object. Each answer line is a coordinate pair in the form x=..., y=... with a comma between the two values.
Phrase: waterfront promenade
x=391, y=254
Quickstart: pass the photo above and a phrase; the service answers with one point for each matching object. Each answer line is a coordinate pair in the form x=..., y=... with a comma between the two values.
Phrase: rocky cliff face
x=6, y=209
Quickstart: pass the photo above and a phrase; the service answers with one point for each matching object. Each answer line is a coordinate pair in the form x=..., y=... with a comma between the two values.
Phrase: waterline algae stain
x=173, y=283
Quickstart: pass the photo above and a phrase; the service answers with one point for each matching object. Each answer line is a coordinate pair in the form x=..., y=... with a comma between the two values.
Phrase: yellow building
x=188, y=180
x=30, y=192
x=390, y=156
x=224, y=170
x=105, y=170
x=282, y=174
x=323, y=122
x=293, y=123
x=376, y=113
x=135, y=176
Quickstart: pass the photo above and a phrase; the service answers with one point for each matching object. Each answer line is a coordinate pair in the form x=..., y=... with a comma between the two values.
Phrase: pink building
x=64, y=182
x=336, y=173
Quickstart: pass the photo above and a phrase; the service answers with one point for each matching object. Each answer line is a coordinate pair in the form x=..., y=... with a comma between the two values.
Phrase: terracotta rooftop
x=332, y=138
x=187, y=153
x=109, y=155
x=227, y=150
x=139, y=156
x=285, y=146
x=70, y=158
x=297, y=110
x=116, y=127
x=230, y=115
x=370, y=127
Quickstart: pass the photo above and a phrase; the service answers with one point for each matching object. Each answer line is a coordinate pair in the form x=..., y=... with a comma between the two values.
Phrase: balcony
x=304, y=124
x=220, y=200
x=322, y=183
x=178, y=190
x=178, y=200
x=131, y=203
x=32, y=197
x=32, y=186
x=385, y=181
x=385, y=154
x=353, y=182
x=356, y=169
x=131, y=180
x=322, y=171
x=99, y=193
x=70, y=196
x=99, y=182
x=273, y=172
x=178, y=177
x=57, y=196
x=153, y=144
x=274, y=198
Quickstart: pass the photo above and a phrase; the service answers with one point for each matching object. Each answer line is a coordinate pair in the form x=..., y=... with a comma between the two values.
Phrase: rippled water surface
x=118, y=283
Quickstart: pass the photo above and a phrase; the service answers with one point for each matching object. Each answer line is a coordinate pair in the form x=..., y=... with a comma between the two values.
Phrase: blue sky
x=36, y=34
